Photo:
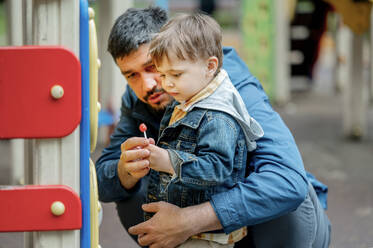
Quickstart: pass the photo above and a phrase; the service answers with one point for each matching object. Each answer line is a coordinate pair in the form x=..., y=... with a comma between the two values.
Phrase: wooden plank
x=57, y=207
x=56, y=161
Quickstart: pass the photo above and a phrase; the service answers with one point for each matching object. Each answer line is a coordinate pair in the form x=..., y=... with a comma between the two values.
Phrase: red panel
x=27, y=109
x=27, y=208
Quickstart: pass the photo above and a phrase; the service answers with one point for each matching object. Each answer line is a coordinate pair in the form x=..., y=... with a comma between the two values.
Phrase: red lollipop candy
x=143, y=129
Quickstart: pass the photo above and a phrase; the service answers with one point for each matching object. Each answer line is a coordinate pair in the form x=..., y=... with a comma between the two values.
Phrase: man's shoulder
x=130, y=102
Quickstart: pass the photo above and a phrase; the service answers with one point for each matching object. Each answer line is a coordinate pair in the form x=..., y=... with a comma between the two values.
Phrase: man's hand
x=133, y=163
x=159, y=159
x=171, y=225
x=167, y=228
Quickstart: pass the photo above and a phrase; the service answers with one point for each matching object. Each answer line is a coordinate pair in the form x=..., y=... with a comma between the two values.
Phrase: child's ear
x=212, y=65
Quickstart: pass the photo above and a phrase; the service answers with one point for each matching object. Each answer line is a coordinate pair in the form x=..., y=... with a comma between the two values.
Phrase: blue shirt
x=277, y=184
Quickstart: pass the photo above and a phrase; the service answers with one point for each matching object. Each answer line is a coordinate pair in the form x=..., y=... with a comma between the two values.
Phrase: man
x=276, y=201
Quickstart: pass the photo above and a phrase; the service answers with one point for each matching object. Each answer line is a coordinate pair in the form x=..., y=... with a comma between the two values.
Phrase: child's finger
x=151, y=141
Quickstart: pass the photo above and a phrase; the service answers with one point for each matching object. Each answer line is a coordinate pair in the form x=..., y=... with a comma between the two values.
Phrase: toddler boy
x=206, y=133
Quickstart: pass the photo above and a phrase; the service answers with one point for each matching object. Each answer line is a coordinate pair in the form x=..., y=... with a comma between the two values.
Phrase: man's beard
x=161, y=105
x=153, y=91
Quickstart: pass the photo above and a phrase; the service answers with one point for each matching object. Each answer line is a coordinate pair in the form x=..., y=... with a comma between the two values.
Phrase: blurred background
x=314, y=59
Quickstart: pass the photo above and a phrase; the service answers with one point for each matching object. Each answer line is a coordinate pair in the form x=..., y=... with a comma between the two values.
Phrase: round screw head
x=57, y=208
x=57, y=91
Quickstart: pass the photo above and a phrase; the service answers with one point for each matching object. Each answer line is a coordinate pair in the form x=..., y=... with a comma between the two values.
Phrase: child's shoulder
x=219, y=117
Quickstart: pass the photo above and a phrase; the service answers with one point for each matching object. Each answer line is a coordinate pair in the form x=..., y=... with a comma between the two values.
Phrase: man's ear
x=212, y=65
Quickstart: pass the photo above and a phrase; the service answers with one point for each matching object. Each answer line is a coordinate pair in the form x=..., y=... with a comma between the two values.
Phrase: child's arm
x=212, y=160
x=159, y=159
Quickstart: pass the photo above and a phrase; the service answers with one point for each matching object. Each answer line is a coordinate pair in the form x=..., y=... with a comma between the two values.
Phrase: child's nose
x=169, y=83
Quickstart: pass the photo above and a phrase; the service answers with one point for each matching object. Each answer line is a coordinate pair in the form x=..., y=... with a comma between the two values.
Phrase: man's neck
x=156, y=113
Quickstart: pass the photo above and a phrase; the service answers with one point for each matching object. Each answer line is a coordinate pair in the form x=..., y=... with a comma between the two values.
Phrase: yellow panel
x=356, y=15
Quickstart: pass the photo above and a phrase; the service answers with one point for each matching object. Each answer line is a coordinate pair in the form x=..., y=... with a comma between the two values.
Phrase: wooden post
x=343, y=42
x=15, y=38
x=56, y=161
x=355, y=101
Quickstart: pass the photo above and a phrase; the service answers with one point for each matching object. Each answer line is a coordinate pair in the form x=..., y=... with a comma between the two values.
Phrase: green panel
x=258, y=28
x=2, y=24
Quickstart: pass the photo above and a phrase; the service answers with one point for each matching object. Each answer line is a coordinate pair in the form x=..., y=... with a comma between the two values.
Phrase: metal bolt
x=57, y=91
x=57, y=208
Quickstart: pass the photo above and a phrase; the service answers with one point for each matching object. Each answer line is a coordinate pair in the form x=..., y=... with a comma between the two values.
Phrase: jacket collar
x=193, y=120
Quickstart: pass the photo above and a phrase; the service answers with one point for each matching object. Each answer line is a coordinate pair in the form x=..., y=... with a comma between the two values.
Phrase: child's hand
x=159, y=159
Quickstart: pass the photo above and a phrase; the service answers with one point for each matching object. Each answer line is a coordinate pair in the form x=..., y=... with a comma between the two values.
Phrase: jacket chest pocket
x=185, y=146
x=185, y=140
x=180, y=145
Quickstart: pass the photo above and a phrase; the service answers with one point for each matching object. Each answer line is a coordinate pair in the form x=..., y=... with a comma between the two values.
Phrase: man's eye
x=151, y=68
x=130, y=76
x=162, y=76
x=177, y=74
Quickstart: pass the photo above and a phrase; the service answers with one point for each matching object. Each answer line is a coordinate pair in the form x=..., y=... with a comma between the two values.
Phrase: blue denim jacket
x=277, y=184
x=208, y=148
x=210, y=158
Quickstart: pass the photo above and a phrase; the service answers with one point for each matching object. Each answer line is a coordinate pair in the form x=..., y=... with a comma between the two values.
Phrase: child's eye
x=176, y=74
x=162, y=76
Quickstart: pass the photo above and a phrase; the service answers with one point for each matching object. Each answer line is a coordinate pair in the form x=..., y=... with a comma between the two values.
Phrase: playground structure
x=59, y=160
x=51, y=100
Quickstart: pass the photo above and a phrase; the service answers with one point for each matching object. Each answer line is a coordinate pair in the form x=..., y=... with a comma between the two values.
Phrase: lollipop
x=143, y=129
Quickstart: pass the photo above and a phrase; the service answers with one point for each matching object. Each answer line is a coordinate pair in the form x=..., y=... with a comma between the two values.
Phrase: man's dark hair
x=134, y=28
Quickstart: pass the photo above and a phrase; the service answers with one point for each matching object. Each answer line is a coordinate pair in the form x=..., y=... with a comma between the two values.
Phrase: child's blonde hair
x=188, y=36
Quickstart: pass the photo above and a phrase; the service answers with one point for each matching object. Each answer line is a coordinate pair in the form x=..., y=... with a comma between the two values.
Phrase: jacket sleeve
x=213, y=160
x=277, y=184
x=109, y=186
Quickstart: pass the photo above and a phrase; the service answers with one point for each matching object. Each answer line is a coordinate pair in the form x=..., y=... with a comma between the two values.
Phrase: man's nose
x=149, y=83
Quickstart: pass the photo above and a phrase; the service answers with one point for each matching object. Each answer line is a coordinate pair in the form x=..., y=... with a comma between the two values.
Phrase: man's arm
x=171, y=225
x=277, y=184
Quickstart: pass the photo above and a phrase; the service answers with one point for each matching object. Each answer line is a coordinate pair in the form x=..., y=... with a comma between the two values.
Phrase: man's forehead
x=142, y=53
x=132, y=64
